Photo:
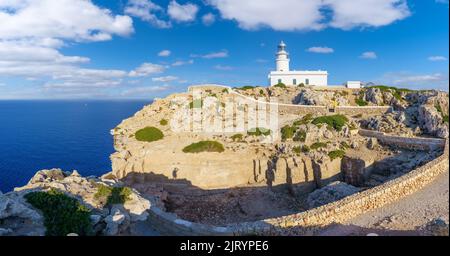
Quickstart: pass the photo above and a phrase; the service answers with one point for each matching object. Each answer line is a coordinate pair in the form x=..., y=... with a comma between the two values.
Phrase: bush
x=280, y=85
x=237, y=137
x=258, y=131
x=300, y=136
x=344, y=145
x=149, y=134
x=247, y=87
x=445, y=118
x=112, y=195
x=318, y=145
x=204, y=146
x=305, y=120
x=62, y=214
x=301, y=85
x=198, y=103
x=297, y=150
x=360, y=102
x=261, y=92
x=335, y=121
x=336, y=154
x=163, y=122
x=225, y=90
x=287, y=132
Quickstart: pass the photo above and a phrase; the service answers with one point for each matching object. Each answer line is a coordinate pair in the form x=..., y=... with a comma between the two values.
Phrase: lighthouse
x=283, y=75
x=282, y=60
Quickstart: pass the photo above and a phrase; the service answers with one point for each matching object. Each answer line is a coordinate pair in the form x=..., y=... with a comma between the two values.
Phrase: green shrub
x=335, y=121
x=297, y=150
x=62, y=214
x=198, y=103
x=318, y=145
x=301, y=85
x=237, y=137
x=225, y=90
x=336, y=154
x=149, y=134
x=163, y=122
x=305, y=149
x=344, y=145
x=360, y=102
x=445, y=118
x=213, y=95
x=280, y=85
x=204, y=146
x=247, y=87
x=258, y=131
x=112, y=195
x=261, y=92
x=287, y=132
x=300, y=136
x=305, y=120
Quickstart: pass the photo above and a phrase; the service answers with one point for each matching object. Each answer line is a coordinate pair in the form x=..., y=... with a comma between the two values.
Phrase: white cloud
x=78, y=20
x=164, y=53
x=288, y=15
x=368, y=55
x=139, y=91
x=147, y=69
x=348, y=14
x=165, y=79
x=438, y=80
x=182, y=63
x=320, y=49
x=437, y=58
x=208, y=19
x=223, y=68
x=212, y=55
x=145, y=10
x=182, y=13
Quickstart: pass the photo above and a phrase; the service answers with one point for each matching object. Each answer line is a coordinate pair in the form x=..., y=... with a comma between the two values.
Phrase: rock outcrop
x=330, y=193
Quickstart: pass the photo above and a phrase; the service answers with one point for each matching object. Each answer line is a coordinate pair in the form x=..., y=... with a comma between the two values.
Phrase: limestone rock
x=330, y=193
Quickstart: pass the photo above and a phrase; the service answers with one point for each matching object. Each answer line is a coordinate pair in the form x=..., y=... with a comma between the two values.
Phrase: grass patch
x=112, y=195
x=62, y=214
x=247, y=87
x=344, y=145
x=198, y=103
x=287, y=132
x=163, y=122
x=305, y=120
x=318, y=145
x=149, y=134
x=204, y=146
x=445, y=118
x=225, y=90
x=336, y=154
x=258, y=131
x=237, y=137
x=280, y=85
x=335, y=121
x=360, y=102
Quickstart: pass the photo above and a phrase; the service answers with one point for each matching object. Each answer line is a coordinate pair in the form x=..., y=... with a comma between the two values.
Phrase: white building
x=353, y=84
x=288, y=77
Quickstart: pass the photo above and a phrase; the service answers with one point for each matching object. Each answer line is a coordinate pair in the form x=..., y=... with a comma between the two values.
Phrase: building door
x=294, y=82
x=307, y=81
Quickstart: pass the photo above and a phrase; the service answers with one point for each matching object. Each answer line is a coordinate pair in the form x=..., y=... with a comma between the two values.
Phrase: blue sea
x=71, y=135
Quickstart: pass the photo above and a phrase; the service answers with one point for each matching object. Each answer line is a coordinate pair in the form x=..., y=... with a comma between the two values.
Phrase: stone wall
x=308, y=221
x=366, y=110
x=405, y=142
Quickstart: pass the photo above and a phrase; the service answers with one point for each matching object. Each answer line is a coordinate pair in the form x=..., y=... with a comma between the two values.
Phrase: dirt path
x=402, y=217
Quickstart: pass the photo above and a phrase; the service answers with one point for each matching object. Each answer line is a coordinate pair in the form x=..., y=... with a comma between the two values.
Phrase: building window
x=294, y=82
x=307, y=81
x=279, y=81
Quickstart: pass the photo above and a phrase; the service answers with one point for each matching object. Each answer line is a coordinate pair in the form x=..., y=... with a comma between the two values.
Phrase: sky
x=142, y=49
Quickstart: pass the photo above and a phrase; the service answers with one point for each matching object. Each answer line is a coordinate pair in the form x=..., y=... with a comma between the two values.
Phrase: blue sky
x=140, y=49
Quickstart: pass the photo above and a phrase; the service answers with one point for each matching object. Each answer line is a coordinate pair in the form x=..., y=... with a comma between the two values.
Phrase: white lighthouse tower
x=283, y=75
x=282, y=58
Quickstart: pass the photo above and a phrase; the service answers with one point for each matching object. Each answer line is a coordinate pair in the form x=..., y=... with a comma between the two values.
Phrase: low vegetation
x=107, y=195
x=204, y=146
x=163, y=122
x=149, y=134
x=198, y=103
x=318, y=145
x=360, y=102
x=247, y=87
x=237, y=137
x=439, y=109
x=280, y=85
x=335, y=121
x=258, y=131
x=300, y=136
x=336, y=154
x=287, y=132
x=305, y=120
x=62, y=214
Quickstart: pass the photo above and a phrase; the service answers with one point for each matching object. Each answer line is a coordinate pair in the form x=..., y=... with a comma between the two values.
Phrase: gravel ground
x=403, y=217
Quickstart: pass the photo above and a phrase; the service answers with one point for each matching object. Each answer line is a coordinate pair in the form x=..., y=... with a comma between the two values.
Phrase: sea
x=71, y=135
